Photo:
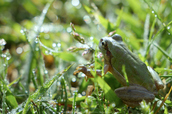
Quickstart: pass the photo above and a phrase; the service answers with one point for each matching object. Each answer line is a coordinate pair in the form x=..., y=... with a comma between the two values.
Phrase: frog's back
x=136, y=70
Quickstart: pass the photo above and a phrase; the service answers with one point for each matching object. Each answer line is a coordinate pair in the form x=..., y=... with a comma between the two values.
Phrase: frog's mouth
x=108, y=57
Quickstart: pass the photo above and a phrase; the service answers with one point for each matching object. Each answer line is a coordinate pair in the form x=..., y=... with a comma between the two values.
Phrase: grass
x=41, y=50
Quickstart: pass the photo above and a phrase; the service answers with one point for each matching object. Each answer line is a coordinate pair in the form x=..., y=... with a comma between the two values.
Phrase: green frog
x=144, y=82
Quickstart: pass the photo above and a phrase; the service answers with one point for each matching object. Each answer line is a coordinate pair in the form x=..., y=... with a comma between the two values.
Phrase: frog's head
x=110, y=46
x=108, y=42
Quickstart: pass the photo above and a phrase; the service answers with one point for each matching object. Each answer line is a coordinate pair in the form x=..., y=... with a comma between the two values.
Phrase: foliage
x=42, y=42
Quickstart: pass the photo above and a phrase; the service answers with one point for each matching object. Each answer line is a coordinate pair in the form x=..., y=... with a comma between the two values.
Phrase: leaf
x=106, y=24
x=78, y=100
x=66, y=56
x=10, y=98
x=89, y=10
x=109, y=93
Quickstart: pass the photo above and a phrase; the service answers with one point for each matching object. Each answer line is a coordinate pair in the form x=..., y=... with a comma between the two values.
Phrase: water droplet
x=153, y=12
x=2, y=42
x=168, y=33
x=83, y=93
x=26, y=92
x=50, y=53
x=8, y=56
x=87, y=19
x=73, y=79
x=69, y=29
x=22, y=31
x=113, y=105
x=33, y=71
x=91, y=38
x=19, y=50
x=46, y=52
x=168, y=27
x=36, y=40
x=46, y=36
x=54, y=45
x=3, y=55
x=58, y=83
x=75, y=2
x=58, y=44
x=155, y=15
x=46, y=71
x=82, y=75
x=37, y=48
x=44, y=11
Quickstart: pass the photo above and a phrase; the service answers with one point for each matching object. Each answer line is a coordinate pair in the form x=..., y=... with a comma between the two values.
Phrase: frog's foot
x=133, y=95
x=86, y=71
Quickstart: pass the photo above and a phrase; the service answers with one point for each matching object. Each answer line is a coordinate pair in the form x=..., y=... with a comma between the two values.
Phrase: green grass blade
x=42, y=90
x=164, y=52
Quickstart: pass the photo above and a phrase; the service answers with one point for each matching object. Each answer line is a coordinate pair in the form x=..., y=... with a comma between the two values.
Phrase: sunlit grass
x=37, y=78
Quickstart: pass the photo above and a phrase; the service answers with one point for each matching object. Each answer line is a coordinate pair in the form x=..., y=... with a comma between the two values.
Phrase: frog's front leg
x=133, y=95
x=86, y=71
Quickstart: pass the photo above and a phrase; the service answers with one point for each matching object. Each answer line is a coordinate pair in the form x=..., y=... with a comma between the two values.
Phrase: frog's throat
x=108, y=67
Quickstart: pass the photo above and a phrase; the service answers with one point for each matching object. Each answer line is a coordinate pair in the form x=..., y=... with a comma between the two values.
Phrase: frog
x=143, y=82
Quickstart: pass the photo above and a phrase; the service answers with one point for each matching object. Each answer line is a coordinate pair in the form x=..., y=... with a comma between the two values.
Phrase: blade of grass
x=28, y=67
x=164, y=52
x=42, y=90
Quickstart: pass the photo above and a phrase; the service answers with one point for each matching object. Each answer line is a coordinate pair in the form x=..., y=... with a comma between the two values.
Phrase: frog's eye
x=104, y=44
x=117, y=37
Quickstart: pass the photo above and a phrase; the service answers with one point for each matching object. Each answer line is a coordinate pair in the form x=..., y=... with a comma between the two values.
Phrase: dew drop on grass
x=155, y=15
x=4, y=65
x=22, y=31
x=37, y=48
x=58, y=44
x=19, y=50
x=26, y=92
x=8, y=58
x=82, y=75
x=46, y=36
x=113, y=105
x=46, y=71
x=46, y=52
x=3, y=55
x=91, y=38
x=153, y=12
x=44, y=11
x=75, y=2
x=73, y=79
x=34, y=72
x=69, y=29
x=83, y=93
x=87, y=19
x=2, y=44
x=54, y=45
x=168, y=27
x=50, y=53
x=36, y=40
x=58, y=83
